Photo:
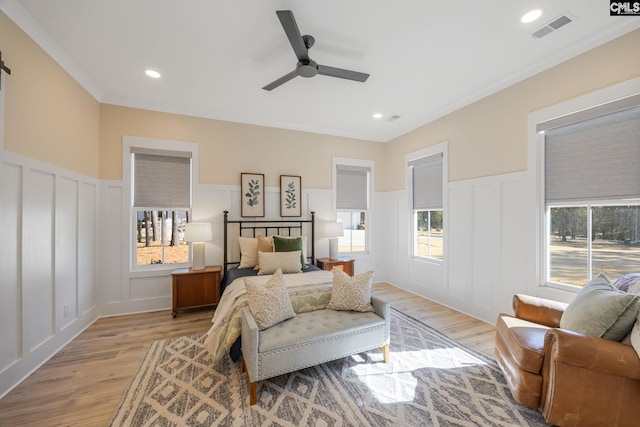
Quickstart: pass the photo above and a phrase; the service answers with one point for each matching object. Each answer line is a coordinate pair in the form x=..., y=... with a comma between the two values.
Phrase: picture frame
x=290, y=196
x=252, y=195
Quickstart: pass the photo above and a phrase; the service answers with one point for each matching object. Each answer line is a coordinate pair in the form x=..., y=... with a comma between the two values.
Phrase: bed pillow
x=289, y=244
x=351, y=293
x=269, y=303
x=270, y=262
x=265, y=244
x=304, y=244
x=600, y=310
x=248, y=252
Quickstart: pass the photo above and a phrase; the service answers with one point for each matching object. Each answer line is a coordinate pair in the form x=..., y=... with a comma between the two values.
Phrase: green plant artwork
x=290, y=199
x=253, y=193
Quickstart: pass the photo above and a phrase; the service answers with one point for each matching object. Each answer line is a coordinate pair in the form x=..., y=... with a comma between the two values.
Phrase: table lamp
x=333, y=230
x=197, y=233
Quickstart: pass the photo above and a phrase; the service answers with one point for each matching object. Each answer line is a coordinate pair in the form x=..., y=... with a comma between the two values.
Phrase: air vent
x=393, y=118
x=553, y=25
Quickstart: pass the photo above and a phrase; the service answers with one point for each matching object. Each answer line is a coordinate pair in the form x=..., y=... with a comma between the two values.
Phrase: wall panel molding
x=48, y=259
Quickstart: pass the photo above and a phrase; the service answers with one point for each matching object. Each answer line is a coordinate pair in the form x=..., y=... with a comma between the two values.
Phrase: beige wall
x=48, y=117
x=489, y=137
x=226, y=149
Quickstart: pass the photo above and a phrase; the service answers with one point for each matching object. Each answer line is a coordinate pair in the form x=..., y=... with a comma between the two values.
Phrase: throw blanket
x=308, y=292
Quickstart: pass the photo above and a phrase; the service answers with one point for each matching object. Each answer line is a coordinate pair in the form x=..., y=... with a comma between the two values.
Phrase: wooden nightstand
x=195, y=288
x=343, y=263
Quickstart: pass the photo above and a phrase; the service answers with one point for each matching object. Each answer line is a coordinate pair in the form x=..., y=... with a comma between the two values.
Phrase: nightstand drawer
x=195, y=288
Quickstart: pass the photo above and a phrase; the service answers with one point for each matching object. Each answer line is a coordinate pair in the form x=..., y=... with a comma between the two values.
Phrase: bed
x=309, y=290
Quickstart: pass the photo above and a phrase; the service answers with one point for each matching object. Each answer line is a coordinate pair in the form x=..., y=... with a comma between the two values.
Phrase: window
x=352, y=206
x=427, y=207
x=161, y=201
x=592, y=192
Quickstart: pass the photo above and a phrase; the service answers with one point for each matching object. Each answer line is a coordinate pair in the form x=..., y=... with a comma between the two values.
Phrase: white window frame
x=442, y=147
x=346, y=161
x=129, y=211
x=536, y=166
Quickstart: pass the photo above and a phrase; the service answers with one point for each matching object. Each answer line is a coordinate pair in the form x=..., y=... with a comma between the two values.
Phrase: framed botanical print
x=252, y=194
x=290, y=195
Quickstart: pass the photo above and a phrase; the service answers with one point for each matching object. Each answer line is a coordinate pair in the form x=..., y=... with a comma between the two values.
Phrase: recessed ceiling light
x=152, y=73
x=377, y=115
x=531, y=16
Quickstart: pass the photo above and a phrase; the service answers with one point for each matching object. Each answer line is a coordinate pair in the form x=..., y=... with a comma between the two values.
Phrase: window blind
x=594, y=159
x=162, y=181
x=352, y=187
x=426, y=174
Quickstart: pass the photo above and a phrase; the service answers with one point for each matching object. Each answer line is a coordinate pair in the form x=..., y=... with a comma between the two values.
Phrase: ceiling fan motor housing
x=307, y=68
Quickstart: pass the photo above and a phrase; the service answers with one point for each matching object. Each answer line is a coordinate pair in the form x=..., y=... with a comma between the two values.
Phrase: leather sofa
x=574, y=379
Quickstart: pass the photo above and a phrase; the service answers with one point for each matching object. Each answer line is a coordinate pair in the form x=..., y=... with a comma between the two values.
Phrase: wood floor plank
x=83, y=384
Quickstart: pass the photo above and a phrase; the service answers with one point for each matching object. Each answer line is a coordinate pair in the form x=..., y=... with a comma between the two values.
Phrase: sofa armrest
x=250, y=341
x=538, y=310
x=383, y=309
x=591, y=353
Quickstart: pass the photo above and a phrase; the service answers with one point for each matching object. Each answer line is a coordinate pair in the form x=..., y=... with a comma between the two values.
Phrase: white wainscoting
x=48, y=231
x=490, y=254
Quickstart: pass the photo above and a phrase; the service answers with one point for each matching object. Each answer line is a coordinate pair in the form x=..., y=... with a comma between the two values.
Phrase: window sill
x=428, y=261
x=165, y=270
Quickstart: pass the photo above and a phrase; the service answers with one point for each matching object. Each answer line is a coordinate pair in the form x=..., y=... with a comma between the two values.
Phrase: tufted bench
x=311, y=339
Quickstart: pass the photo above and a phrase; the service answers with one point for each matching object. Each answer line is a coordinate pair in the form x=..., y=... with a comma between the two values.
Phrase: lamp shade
x=333, y=229
x=198, y=232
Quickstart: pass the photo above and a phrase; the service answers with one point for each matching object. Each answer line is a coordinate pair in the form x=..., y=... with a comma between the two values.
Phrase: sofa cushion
x=351, y=293
x=269, y=303
x=316, y=325
x=600, y=310
x=524, y=341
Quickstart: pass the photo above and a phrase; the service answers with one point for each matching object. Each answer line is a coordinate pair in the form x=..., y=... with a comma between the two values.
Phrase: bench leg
x=253, y=391
x=385, y=353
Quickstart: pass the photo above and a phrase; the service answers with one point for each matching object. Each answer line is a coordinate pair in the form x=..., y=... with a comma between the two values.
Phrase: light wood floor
x=83, y=383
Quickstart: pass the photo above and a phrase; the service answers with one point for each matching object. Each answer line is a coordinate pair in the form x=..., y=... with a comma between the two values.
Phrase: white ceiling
x=426, y=58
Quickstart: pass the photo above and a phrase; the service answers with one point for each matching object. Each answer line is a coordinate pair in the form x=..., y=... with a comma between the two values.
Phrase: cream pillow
x=304, y=244
x=248, y=252
x=269, y=303
x=351, y=293
x=288, y=262
x=265, y=244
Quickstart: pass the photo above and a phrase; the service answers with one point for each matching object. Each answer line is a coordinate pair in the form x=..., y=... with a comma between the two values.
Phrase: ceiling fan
x=307, y=67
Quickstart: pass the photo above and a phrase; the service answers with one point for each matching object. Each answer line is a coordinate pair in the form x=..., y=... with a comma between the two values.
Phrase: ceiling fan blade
x=282, y=80
x=293, y=34
x=342, y=73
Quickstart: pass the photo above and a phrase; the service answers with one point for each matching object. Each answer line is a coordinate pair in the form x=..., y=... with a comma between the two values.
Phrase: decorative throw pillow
x=626, y=282
x=265, y=244
x=269, y=303
x=351, y=293
x=270, y=262
x=600, y=310
x=248, y=252
x=288, y=244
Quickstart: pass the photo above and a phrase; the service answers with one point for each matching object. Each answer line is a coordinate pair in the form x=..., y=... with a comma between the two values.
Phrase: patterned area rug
x=430, y=381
